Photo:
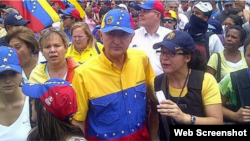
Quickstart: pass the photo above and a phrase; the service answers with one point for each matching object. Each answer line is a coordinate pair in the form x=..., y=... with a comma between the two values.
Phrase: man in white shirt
x=150, y=15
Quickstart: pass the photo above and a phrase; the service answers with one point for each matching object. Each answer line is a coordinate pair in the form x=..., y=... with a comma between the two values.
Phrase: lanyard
x=248, y=73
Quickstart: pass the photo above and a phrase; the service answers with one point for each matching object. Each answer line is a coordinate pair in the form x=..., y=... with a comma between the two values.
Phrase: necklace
x=62, y=74
x=248, y=73
x=181, y=89
x=177, y=102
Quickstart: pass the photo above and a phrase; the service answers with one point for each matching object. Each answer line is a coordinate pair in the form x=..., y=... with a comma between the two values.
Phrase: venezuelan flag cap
x=9, y=60
x=170, y=13
x=71, y=11
x=57, y=95
x=176, y=40
x=117, y=19
x=151, y=5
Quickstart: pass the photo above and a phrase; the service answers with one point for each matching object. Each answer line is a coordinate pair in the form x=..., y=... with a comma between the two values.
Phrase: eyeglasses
x=228, y=24
x=65, y=17
x=168, y=21
x=169, y=54
x=173, y=7
x=79, y=37
x=145, y=11
x=142, y=11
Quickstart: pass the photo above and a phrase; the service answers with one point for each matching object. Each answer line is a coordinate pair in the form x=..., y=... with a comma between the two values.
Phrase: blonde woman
x=54, y=44
x=83, y=45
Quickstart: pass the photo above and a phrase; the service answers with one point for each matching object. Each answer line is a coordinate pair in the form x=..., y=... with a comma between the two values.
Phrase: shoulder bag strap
x=237, y=89
x=207, y=36
x=164, y=118
x=218, y=68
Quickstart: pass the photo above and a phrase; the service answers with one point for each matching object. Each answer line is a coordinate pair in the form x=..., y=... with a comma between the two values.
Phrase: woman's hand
x=169, y=108
x=243, y=114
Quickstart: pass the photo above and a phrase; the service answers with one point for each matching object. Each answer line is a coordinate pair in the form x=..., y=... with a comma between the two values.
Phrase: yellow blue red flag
x=38, y=12
x=63, y=3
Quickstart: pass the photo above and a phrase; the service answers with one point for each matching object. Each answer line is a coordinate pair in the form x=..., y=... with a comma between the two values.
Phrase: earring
x=32, y=55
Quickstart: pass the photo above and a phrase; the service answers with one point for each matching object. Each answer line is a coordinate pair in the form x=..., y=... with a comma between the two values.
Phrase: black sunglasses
x=65, y=17
x=50, y=29
x=168, y=21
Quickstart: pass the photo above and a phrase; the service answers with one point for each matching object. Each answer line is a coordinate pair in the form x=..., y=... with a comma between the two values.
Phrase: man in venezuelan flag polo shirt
x=111, y=88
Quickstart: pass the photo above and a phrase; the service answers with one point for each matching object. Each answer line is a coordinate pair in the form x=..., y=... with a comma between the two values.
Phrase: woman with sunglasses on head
x=170, y=19
x=14, y=105
x=54, y=44
x=53, y=107
x=192, y=97
x=231, y=20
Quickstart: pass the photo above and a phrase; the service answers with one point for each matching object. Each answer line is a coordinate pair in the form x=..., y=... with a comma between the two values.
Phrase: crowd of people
x=126, y=71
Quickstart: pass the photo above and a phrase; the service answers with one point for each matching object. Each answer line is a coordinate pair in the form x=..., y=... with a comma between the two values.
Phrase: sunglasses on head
x=64, y=17
x=168, y=21
x=50, y=30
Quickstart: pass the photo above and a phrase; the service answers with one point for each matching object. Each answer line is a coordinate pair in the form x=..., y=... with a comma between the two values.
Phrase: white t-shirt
x=182, y=21
x=215, y=44
x=19, y=130
x=144, y=41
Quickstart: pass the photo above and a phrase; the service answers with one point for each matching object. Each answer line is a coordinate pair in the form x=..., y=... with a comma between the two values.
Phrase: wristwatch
x=193, y=120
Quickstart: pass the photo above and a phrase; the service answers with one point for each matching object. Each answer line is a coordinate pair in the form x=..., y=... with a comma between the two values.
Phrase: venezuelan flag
x=63, y=4
x=39, y=12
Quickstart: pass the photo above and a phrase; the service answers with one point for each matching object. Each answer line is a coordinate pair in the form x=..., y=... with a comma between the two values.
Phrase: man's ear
x=159, y=16
x=100, y=34
x=8, y=27
x=74, y=19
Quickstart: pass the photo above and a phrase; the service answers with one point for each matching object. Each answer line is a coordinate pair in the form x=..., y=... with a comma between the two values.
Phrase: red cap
x=57, y=95
x=151, y=5
x=71, y=11
x=60, y=101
